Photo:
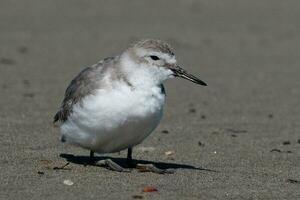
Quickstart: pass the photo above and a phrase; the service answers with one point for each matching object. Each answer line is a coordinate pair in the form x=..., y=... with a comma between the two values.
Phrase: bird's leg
x=92, y=158
x=129, y=157
x=153, y=169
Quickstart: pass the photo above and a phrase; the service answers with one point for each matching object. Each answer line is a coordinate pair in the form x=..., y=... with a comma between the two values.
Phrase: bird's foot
x=109, y=164
x=153, y=169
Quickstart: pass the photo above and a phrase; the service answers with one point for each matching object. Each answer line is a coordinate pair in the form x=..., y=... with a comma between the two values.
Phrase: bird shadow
x=85, y=160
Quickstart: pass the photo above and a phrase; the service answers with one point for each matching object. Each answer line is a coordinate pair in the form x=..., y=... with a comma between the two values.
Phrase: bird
x=116, y=103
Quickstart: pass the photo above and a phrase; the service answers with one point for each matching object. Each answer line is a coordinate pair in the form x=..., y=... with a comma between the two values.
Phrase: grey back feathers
x=82, y=85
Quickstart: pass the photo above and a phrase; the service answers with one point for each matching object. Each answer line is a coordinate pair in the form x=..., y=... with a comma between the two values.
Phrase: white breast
x=114, y=119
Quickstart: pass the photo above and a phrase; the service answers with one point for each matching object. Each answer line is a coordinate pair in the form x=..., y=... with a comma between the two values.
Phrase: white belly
x=110, y=121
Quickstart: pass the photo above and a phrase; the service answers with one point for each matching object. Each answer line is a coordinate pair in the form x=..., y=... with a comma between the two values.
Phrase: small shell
x=68, y=182
x=169, y=153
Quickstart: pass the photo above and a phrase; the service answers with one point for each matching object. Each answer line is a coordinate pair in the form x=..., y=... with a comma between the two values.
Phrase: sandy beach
x=238, y=138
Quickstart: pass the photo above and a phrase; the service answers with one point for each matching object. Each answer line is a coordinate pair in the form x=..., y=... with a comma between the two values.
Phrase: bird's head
x=157, y=58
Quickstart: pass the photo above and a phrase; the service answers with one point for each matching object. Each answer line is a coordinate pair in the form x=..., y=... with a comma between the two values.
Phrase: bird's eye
x=154, y=57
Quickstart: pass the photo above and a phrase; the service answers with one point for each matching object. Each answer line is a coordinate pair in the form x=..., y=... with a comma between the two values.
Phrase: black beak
x=179, y=72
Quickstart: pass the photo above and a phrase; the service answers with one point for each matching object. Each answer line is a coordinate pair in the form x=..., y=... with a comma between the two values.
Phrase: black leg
x=92, y=156
x=129, y=156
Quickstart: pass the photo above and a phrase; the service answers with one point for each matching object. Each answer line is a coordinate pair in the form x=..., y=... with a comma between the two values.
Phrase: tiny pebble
x=68, y=182
x=298, y=141
x=215, y=152
x=200, y=143
x=203, y=117
x=286, y=143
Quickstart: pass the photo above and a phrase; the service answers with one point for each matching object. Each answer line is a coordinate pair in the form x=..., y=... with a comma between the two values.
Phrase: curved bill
x=179, y=72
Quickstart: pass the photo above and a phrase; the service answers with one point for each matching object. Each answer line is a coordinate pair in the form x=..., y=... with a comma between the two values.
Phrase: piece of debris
x=169, y=153
x=137, y=197
x=292, y=181
x=165, y=131
x=41, y=173
x=203, y=117
x=201, y=143
x=62, y=167
x=192, y=110
x=233, y=135
x=286, y=143
x=68, y=182
x=298, y=141
x=215, y=152
x=279, y=151
x=275, y=150
x=149, y=189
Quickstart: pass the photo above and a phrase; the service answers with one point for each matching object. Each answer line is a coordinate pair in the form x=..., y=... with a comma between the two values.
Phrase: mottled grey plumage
x=82, y=85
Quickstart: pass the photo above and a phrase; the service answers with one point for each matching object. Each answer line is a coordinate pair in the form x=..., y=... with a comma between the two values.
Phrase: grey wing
x=82, y=85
